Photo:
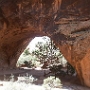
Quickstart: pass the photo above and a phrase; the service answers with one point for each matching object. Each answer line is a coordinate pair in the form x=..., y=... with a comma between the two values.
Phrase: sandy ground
x=69, y=82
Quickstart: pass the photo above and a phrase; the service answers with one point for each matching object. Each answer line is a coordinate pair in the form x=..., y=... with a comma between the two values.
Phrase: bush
x=52, y=82
x=27, y=79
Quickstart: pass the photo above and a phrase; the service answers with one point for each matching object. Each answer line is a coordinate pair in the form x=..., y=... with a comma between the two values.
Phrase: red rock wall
x=67, y=22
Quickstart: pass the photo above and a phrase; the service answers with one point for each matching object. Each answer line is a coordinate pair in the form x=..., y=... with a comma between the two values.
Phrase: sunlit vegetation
x=43, y=52
x=45, y=55
x=27, y=82
x=52, y=82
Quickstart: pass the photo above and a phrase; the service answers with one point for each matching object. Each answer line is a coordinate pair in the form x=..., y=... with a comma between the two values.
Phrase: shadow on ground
x=67, y=81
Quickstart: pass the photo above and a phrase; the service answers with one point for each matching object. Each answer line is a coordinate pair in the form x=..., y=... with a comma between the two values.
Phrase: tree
x=47, y=51
x=26, y=58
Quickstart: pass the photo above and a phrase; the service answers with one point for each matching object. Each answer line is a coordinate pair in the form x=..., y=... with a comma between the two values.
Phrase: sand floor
x=69, y=82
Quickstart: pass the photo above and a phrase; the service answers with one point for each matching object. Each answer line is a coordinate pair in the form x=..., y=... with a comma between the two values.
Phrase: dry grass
x=27, y=83
x=23, y=86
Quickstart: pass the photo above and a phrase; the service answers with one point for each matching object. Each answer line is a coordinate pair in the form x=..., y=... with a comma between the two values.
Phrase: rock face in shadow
x=66, y=22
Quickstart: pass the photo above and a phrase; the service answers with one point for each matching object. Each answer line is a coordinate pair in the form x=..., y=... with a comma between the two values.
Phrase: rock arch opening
x=20, y=20
x=43, y=53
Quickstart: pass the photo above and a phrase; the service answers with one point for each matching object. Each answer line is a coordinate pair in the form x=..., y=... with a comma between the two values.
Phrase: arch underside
x=67, y=23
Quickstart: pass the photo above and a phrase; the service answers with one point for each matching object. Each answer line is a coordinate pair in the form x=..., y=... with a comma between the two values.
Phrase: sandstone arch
x=67, y=22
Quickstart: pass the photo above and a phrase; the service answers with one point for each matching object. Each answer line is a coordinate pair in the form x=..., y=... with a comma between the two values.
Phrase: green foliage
x=55, y=68
x=44, y=51
x=30, y=59
x=28, y=64
x=47, y=51
x=26, y=51
x=70, y=69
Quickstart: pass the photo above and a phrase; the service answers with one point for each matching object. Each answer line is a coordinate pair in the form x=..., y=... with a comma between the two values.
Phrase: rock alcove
x=66, y=22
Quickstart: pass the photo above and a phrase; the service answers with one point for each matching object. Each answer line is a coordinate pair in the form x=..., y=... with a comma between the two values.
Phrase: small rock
x=1, y=84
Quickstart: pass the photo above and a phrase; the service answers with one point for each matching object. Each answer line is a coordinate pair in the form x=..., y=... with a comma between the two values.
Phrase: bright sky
x=35, y=41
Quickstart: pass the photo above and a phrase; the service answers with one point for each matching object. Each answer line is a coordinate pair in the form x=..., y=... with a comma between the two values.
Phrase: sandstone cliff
x=66, y=22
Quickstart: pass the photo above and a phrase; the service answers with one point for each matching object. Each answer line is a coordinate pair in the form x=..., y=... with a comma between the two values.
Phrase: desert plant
x=5, y=78
x=26, y=51
x=70, y=69
x=12, y=77
x=27, y=79
x=52, y=82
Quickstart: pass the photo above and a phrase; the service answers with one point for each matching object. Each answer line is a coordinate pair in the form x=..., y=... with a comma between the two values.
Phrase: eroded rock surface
x=67, y=22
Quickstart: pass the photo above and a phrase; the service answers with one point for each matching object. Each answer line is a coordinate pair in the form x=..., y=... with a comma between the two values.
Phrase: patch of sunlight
x=27, y=82
x=36, y=40
x=8, y=85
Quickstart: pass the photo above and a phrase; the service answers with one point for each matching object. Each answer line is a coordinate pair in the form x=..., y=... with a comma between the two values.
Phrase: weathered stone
x=67, y=22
